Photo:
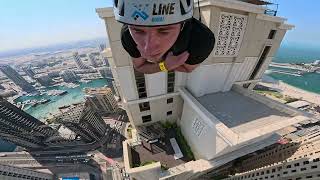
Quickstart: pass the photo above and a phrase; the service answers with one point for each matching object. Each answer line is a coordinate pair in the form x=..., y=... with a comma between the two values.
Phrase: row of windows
x=141, y=87
x=11, y=174
x=147, y=118
x=145, y=106
x=278, y=175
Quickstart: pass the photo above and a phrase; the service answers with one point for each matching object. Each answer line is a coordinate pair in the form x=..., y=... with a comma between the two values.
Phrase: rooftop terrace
x=159, y=151
x=241, y=113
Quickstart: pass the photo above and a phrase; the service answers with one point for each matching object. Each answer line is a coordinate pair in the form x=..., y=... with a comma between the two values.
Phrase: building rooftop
x=159, y=151
x=102, y=90
x=240, y=113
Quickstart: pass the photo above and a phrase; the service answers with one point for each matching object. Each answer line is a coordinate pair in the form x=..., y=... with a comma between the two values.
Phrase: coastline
x=295, y=92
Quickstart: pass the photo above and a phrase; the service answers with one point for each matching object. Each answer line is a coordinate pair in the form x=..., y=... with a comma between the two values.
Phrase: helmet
x=152, y=12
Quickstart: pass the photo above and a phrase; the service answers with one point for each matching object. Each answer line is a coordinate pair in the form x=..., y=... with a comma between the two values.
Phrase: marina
x=43, y=105
x=295, y=69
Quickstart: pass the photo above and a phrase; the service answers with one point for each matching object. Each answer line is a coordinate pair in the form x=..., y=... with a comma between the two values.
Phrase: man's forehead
x=172, y=26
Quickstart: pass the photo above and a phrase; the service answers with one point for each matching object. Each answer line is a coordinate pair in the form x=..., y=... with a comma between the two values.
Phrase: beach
x=292, y=91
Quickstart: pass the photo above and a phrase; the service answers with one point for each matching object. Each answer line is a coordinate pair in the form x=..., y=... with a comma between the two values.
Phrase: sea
x=297, y=53
x=42, y=111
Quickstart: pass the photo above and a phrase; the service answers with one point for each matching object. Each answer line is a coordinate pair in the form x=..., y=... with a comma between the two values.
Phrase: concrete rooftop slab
x=241, y=113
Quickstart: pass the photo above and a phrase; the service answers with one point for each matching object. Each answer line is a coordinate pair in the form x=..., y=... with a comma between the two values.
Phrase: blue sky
x=33, y=23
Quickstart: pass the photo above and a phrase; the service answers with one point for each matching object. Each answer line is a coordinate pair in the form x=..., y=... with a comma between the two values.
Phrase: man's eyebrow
x=165, y=28
x=136, y=29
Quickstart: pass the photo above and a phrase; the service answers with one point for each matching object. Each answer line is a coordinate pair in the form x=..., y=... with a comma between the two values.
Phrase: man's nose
x=151, y=43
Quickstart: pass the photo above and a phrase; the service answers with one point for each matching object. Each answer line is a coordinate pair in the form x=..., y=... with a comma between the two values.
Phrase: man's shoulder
x=201, y=41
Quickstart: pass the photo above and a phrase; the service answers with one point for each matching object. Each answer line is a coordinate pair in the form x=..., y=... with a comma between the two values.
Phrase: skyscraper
x=93, y=60
x=22, y=129
x=105, y=72
x=219, y=115
x=29, y=71
x=79, y=62
x=69, y=76
x=102, y=99
x=16, y=78
x=84, y=121
x=13, y=172
x=102, y=47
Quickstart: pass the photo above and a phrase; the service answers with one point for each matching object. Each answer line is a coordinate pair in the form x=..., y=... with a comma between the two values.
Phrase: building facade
x=93, y=60
x=84, y=121
x=16, y=78
x=79, y=62
x=69, y=76
x=219, y=116
x=12, y=172
x=105, y=72
x=44, y=79
x=22, y=129
x=296, y=160
x=102, y=99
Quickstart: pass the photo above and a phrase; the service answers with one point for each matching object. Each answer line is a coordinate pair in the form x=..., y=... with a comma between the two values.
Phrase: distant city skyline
x=31, y=24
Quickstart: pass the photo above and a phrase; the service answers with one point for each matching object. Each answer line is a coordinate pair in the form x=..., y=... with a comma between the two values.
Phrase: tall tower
x=102, y=99
x=30, y=72
x=84, y=121
x=22, y=129
x=219, y=116
x=16, y=78
x=93, y=60
x=79, y=62
x=69, y=76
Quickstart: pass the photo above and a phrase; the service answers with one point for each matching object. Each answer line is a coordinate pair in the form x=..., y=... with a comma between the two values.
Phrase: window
x=285, y=172
x=303, y=169
x=289, y=166
x=271, y=34
x=145, y=106
x=293, y=171
x=309, y=177
x=298, y=178
x=314, y=167
x=140, y=82
x=316, y=160
x=170, y=100
x=171, y=77
x=146, y=118
x=305, y=162
x=296, y=164
x=169, y=113
x=261, y=60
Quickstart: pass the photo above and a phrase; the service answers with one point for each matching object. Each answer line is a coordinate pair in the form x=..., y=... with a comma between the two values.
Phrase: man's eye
x=139, y=32
x=164, y=32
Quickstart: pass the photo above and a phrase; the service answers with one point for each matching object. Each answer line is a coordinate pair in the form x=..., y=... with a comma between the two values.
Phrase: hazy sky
x=33, y=23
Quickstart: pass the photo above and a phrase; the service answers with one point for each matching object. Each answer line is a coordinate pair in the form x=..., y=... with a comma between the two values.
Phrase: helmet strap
x=199, y=11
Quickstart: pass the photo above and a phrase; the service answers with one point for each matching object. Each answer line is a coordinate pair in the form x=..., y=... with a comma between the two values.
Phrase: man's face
x=154, y=42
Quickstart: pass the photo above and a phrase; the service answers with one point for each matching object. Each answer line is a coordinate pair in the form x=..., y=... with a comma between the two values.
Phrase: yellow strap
x=162, y=67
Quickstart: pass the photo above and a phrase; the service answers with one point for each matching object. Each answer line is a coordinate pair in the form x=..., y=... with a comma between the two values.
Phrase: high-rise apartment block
x=218, y=114
x=69, y=76
x=14, y=76
x=79, y=62
x=22, y=129
x=84, y=121
x=93, y=60
x=13, y=172
x=102, y=99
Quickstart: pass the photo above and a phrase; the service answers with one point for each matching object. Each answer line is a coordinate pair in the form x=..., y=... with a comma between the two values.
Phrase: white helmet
x=152, y=12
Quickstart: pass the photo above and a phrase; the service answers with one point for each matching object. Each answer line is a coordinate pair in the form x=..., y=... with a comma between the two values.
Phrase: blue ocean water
x=294, y=54
x=74, y=95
